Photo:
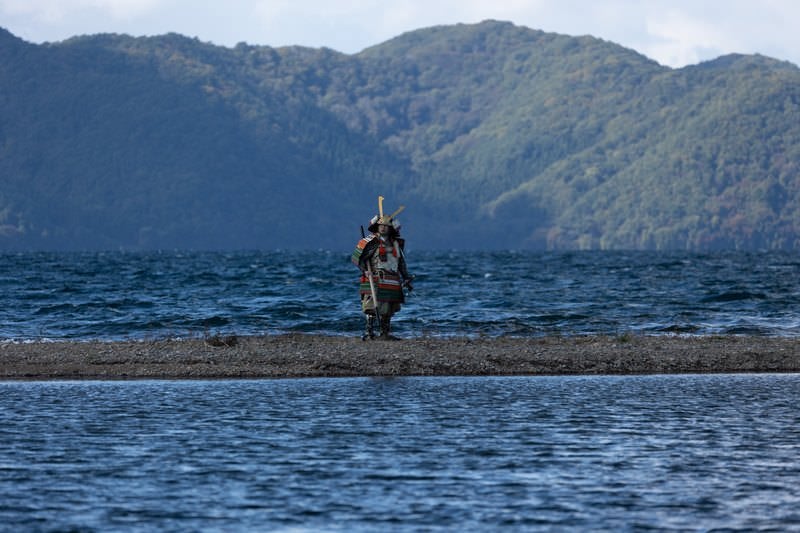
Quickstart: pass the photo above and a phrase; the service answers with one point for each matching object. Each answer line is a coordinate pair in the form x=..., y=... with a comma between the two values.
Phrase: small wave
x=679, y=328
x=734, y=296
x=212, y=322
x=55, y=308
x=749, y=330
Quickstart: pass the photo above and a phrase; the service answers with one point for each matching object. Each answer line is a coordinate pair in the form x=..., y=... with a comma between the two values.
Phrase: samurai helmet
x=381, y=219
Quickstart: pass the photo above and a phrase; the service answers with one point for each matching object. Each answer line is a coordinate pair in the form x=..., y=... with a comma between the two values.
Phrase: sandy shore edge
x=298, y=355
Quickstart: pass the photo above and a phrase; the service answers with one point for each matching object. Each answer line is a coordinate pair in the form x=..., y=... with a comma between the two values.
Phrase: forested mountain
x=492, y=135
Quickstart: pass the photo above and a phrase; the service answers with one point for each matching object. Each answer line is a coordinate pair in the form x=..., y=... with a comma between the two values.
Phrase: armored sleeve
x=364, y=251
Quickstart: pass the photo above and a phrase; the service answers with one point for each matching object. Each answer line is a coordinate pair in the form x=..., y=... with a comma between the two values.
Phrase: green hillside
x=493, y=135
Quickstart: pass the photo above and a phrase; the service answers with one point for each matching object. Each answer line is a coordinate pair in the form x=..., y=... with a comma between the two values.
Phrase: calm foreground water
x=666, y=452
x=451, y=454
x=147, y=295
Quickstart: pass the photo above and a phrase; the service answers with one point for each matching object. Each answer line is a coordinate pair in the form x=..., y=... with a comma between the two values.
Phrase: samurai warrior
x=380, y=258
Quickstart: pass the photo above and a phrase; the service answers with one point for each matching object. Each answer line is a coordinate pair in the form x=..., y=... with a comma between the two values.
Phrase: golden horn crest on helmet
x=384, y=219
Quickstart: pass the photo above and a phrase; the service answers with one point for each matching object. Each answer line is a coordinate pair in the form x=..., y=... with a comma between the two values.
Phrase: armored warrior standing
x=380, y=258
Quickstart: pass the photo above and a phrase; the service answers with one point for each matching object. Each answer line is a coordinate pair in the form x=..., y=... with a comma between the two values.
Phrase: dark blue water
x=123, y=295
x=607, y=453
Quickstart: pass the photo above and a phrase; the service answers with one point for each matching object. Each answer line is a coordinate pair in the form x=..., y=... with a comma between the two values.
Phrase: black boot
x=386, y=329
x=369, y=333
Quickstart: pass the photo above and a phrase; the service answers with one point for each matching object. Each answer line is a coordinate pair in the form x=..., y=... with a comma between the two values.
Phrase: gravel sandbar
x=297, y=355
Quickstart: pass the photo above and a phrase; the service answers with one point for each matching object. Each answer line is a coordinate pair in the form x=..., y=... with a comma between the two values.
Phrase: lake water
x=155, y=295
x=522, y=453
x=436, y=454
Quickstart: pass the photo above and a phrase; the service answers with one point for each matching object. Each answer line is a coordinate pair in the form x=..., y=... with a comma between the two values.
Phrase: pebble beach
x=299, y=355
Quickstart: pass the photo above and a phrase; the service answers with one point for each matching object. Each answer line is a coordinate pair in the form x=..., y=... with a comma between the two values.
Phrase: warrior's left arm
x=403, y=268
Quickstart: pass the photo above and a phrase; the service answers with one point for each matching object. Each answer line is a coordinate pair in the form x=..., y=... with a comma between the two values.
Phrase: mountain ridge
x=494, y=135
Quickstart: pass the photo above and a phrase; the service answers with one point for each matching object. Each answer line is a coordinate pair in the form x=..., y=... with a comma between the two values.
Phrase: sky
x=675, y=33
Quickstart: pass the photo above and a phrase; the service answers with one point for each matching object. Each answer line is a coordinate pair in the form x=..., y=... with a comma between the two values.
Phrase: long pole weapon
x=372, y=290
x=374, y=293
x=369, y=268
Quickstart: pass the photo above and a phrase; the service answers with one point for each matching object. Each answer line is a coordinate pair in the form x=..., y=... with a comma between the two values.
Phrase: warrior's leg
x=369, y=332
x=369, y=310
x=386, y=328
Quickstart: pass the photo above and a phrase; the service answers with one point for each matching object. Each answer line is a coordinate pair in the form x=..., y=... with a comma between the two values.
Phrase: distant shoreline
x=299, y=355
